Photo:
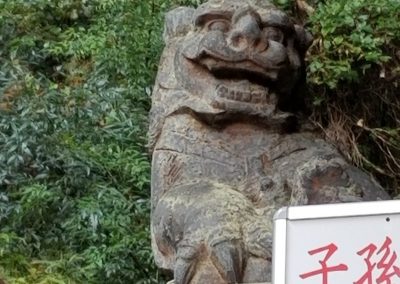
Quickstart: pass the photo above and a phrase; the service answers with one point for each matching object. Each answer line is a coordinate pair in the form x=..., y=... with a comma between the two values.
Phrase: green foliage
x=353, y=36
x=74, y=171
x=354, y=76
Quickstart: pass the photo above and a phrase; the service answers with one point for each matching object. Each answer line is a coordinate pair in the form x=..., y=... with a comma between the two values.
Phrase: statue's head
x=231, y=56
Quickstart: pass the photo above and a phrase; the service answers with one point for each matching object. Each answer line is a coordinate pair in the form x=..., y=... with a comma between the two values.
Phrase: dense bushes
x=354, y=79
x=354, y=74
x=353, y=37
x=75, y=81
x=74, y=173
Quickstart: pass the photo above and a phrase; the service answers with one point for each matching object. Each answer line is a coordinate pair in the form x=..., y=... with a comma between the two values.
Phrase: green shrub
x=353, y=36
x=74, y=171
x=354, y=76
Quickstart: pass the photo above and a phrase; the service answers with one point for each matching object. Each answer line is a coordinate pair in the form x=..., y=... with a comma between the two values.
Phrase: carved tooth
x=222, y=91
x=246, y=97
x=238, y=96
x=261, y=97
x=255, y=98
x=231, y=95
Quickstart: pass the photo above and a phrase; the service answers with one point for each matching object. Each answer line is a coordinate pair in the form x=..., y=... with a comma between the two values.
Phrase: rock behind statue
x=228, y=149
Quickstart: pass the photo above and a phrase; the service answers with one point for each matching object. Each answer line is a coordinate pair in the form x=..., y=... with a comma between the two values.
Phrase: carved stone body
x=227, y=150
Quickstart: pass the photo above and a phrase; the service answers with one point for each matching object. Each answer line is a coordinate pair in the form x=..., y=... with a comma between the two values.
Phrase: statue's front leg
x=210, y=233
x=330, y=179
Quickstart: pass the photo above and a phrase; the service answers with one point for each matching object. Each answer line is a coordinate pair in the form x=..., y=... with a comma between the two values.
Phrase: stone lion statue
x=228, y=143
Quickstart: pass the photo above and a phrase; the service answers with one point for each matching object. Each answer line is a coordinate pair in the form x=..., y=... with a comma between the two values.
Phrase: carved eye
x=219, y=25
x=274, y=34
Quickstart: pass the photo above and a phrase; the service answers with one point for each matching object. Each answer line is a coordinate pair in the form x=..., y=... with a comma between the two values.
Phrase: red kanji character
x=370, y=267
x=386, y=263
x=325, y=269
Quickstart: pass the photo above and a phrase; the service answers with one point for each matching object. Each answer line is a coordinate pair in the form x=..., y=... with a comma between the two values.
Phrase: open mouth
x=241, y=81
x=239, y=70
x=239, y=74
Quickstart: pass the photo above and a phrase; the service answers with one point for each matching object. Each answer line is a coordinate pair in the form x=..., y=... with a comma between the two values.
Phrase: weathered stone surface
x=227, y=153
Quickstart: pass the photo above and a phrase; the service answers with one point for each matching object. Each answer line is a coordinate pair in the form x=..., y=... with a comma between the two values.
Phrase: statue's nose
x=246, y=33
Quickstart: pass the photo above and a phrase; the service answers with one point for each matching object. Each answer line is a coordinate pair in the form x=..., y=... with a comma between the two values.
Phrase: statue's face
x=239, y=56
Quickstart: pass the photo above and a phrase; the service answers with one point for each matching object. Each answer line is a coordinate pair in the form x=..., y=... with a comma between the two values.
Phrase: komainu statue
x=228, y=145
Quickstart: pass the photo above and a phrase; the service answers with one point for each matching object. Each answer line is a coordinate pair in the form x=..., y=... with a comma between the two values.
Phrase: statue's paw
x=222, y=261
x=229, y=258
x=185, y=264
x=211, y=239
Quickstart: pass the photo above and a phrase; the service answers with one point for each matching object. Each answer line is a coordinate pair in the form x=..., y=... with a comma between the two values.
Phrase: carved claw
x=207, y=232
x=185, y=265
x=228, y=258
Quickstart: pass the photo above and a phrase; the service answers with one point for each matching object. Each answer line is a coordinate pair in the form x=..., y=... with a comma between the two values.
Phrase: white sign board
x=351, y=243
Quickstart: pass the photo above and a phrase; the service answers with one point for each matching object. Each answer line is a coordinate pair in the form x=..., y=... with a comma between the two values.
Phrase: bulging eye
x=219, y=25
x=275, y=34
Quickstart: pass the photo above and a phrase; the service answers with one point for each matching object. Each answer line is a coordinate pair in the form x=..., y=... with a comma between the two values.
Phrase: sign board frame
x=287, y=216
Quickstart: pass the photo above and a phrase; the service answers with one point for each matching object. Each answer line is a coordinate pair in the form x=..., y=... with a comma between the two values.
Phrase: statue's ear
x=178, y=22
x=303, y=38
